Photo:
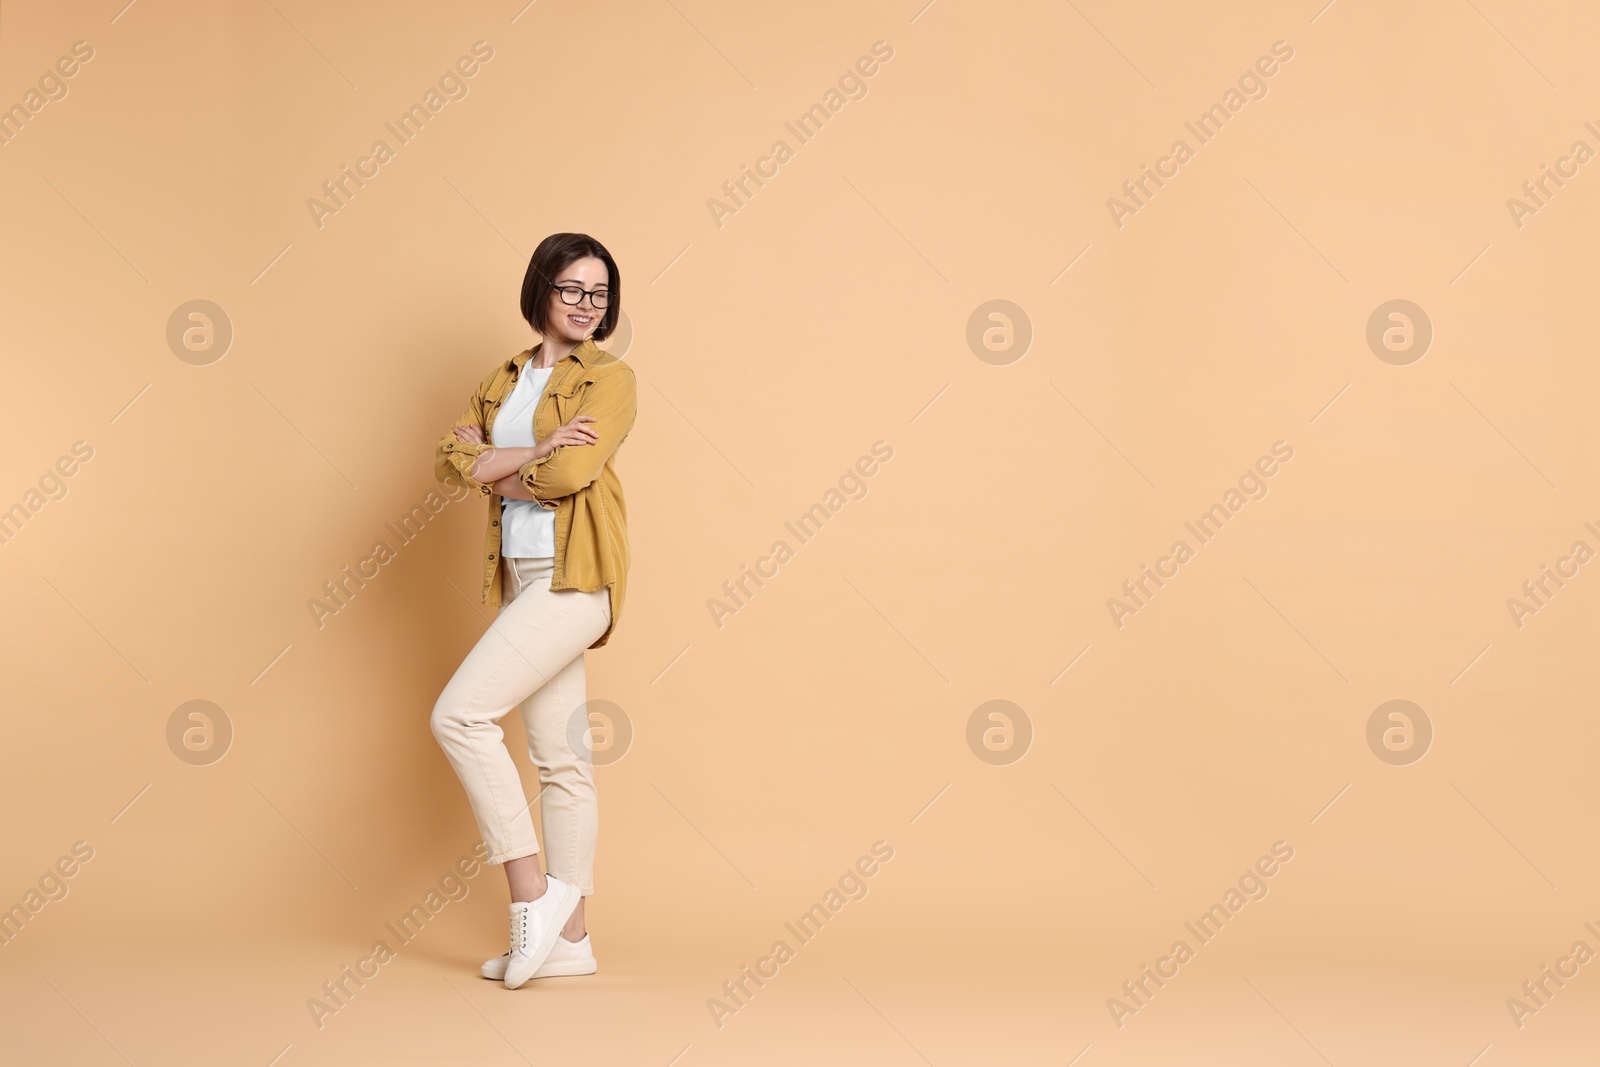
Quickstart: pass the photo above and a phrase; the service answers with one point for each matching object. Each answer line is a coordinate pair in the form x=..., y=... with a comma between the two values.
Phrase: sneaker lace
x=519, y=929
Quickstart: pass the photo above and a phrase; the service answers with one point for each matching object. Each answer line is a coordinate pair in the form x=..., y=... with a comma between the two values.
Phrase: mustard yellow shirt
x=578, y=482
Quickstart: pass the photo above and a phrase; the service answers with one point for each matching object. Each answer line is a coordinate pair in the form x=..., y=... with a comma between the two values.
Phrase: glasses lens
x=572, y=294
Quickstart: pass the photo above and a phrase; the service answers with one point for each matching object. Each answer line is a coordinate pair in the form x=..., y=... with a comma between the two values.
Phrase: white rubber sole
x=495, y=969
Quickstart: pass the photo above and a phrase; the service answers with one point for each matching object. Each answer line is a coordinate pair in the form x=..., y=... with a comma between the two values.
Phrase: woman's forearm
x=511, y=486
x=493, y=464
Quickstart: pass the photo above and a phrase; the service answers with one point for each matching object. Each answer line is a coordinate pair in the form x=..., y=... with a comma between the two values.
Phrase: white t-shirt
x=527, y=531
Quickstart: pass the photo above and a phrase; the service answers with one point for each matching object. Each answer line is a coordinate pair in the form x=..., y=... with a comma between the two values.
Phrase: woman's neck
x=551, y=351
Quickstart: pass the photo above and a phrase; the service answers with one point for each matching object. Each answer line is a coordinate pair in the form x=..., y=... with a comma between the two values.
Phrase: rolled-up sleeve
x=455, y=458
x=613, y=402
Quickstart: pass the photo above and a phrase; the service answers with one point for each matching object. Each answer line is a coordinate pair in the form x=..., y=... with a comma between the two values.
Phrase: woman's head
x=572, y=261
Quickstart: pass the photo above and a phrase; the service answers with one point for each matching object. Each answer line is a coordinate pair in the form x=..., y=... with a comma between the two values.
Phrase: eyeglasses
x=573, y=294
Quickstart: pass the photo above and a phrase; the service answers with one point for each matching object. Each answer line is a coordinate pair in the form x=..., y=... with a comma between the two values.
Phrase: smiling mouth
x=581, y=320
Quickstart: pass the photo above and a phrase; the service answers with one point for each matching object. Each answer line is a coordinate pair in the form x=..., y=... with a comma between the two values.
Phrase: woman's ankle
x=529, y=889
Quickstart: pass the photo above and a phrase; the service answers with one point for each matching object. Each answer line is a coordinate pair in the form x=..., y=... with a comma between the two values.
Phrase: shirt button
x=491, y=555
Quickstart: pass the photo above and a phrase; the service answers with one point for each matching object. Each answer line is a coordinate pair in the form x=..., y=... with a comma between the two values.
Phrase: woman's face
x=575, y=322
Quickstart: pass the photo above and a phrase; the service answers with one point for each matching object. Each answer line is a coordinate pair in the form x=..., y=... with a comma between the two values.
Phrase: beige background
x=831, y=311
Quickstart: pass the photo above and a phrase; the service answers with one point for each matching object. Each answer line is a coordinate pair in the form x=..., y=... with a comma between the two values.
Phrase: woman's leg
x=535, y=636
x=555, y=718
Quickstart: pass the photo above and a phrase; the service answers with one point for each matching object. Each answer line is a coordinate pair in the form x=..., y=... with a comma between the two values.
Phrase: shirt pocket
x=568, y=397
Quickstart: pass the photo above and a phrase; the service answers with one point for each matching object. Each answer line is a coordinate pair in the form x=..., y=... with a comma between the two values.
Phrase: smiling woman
x=539, y=438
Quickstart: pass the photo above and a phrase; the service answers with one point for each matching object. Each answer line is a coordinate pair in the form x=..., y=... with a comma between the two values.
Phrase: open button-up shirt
x=578, y=482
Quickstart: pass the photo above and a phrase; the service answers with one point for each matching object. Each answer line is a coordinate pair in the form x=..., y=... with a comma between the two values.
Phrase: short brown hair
x=555, y=254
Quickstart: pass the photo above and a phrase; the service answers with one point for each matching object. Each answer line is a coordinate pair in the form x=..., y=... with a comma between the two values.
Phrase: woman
x=539, y=438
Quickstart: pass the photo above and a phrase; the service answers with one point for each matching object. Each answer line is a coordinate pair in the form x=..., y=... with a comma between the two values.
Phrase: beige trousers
x=530, y=658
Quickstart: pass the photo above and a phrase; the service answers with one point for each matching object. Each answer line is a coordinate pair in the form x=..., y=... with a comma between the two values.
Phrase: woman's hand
x=573, y=433
x=498, y=467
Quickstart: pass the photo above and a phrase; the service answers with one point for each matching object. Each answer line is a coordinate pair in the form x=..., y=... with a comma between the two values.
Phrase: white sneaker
x=535, y=928
x=566, y=958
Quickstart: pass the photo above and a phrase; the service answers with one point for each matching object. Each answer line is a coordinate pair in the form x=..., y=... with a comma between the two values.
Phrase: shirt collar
x=586, y=353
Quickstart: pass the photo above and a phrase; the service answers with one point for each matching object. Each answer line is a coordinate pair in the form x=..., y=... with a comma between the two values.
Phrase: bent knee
x=446, y=718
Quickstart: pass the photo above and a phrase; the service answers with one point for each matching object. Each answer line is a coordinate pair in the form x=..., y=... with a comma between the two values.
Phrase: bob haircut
x=555, y=254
